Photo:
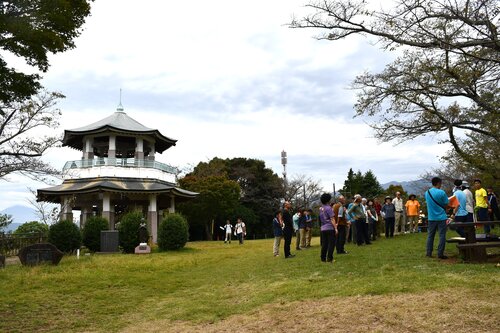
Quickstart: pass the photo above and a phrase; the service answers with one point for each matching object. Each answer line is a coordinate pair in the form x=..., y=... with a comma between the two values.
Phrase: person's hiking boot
x=443, y=257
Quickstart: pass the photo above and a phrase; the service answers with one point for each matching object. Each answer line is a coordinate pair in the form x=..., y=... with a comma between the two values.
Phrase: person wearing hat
x=412, y=212
x=358, y=211
x=388, y=213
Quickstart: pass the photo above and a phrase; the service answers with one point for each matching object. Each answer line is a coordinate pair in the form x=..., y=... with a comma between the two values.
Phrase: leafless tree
x=445, y=80
x=301, y=190
x=27, y=130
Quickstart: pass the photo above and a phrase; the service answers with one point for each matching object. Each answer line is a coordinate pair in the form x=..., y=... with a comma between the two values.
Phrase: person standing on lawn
x=494, y=212
x=287, y=229
x=482, y=205
x=387, y=212
x=309, y=225
x=399, y=216
x=372, y=219
x=469, y=201
x=339, y=215
x=380, y=226
x=437, y=201
x=302, y=229
x=358, y=212
x=328, y=228
x=460, y=211
x=412, y=212
x=278, y=232
x=228, y=228
x=240, y=230
x=296, y=218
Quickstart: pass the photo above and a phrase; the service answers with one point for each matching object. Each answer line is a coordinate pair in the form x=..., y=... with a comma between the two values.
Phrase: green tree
x=218, y=196
x=91, y=232
x=30, y=30
x=5, y=220
x=128, y=229
x=370, y=185
x=358, y=183
x=392, y=189
x=446, y=79
x=32, y=227
x=261, y=188
x=173, y=232
x=65, y=235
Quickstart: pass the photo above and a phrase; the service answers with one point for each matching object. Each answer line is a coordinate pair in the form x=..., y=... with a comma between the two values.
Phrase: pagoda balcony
x=120, y=167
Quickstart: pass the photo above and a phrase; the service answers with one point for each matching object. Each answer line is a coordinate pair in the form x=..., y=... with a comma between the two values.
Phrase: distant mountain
x=20, y=214
x=12, y=227
x=417, y=187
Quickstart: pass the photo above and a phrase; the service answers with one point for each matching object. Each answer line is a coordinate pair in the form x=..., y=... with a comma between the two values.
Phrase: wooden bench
x=477, y=250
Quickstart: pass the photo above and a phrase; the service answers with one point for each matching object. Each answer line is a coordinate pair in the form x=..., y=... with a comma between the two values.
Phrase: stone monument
x=143, y=239
x=36, y=254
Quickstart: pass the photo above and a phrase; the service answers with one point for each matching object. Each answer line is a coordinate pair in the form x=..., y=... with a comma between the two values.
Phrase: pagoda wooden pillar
x=112, y=146
x=85, y=215
x=108, y=210
x=139, y=149
x=66, y=210
x=88, y=150
x=153, y=217
x=171, y=209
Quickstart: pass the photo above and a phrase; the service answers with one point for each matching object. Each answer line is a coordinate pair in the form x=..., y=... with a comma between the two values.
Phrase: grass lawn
x=389, y=286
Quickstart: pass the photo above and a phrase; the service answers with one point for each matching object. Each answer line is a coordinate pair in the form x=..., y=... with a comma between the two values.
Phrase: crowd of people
x=340, y=222
x=361, y=220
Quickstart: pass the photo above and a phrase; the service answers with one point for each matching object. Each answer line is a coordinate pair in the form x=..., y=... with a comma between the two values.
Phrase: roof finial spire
x=120, y=106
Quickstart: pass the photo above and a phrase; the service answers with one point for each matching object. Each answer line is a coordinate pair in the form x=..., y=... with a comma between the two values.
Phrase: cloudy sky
x=227, y=79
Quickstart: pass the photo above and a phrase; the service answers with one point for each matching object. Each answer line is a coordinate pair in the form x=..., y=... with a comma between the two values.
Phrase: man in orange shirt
x=412, y=212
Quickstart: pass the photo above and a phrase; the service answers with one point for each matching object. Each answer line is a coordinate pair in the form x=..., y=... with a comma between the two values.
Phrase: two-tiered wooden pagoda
x=117, y=173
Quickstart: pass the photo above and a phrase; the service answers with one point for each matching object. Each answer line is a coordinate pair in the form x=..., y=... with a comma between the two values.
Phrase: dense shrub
x=129, y=231
x=173, y=232
x=33, y=227
x=91, y=233
x=65, y=235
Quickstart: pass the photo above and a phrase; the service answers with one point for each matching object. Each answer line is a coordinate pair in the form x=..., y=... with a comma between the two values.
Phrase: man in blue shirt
x=437, y=200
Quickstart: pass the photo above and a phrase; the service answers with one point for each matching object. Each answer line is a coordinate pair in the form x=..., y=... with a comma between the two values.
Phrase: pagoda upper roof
x=118, y=122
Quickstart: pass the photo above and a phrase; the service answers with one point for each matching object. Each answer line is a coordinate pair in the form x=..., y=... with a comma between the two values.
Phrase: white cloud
x=228, y=79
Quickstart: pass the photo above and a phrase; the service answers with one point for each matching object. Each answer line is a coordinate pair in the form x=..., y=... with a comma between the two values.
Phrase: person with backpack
x=437, y=201
x=240, y=230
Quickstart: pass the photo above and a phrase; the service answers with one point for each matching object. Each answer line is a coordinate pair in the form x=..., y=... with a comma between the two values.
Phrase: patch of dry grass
x=453, y=311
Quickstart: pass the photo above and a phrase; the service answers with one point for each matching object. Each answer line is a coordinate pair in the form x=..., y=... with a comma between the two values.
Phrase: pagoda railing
x=120, y=162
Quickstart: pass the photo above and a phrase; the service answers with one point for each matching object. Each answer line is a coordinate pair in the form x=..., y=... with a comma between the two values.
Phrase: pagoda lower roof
x=111, y=184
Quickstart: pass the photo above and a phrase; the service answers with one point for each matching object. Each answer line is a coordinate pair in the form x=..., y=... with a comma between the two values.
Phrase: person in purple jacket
x=328, y=228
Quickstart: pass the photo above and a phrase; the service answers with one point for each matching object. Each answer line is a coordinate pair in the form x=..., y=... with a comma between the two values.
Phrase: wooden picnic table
x=472, y=249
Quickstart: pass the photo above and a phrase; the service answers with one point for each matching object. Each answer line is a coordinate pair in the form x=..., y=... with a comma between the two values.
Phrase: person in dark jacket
x=287, y=229
x=388, y=213
x=493, y=212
